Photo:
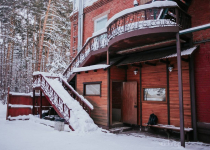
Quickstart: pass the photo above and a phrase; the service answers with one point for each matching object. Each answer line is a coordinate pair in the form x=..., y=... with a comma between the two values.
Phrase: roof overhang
x=88, y=68
x=155, y=55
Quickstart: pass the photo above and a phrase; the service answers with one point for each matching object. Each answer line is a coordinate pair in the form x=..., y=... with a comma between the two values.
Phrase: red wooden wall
x=99, y=114
x=25, y=100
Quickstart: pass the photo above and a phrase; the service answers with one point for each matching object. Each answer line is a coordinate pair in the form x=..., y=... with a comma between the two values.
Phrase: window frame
x=143, y=101
x=88, y=83
x=95, y=22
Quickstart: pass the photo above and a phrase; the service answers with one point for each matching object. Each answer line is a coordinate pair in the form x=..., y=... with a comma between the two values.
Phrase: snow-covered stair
x=71, y=106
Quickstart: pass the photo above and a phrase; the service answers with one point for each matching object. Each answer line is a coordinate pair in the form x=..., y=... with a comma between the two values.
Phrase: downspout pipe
x=194, y=29
x=80, y=25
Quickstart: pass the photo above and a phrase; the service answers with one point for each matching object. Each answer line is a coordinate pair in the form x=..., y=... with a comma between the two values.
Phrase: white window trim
x=105, y=16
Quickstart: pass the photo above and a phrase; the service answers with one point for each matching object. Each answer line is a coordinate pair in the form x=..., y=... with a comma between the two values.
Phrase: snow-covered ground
x=33, y=135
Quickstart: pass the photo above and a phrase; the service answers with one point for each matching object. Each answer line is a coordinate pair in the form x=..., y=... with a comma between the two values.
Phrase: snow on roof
x=20, y=94
x=24, y=94
x=93, y=67
x=184, y=52
x=21, y=106
x=44, y=74
x=141, y=7
x=86, y=3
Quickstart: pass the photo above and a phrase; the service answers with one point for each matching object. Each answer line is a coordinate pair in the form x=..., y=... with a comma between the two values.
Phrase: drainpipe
x=80, y=25
x=194, y=29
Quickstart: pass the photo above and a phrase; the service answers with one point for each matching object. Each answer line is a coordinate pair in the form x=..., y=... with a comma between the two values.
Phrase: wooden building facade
x=144, y=51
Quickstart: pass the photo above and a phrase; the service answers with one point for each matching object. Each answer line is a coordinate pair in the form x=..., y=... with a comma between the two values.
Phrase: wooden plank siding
x=154, y=77
x=174, y=94
x=26, y=100
x=99, y=114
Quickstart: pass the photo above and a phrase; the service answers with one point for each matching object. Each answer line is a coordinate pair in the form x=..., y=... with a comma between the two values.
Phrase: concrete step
x=120, y=129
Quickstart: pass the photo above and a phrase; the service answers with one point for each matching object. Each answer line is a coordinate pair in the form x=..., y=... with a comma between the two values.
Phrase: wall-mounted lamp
x=135, y=3
x=170, y=68
x=135, y=71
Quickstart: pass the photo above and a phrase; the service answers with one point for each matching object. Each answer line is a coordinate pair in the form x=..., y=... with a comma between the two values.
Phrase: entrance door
x=129, y=104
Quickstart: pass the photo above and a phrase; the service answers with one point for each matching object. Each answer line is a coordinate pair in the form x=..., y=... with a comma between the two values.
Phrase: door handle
x=135, y=106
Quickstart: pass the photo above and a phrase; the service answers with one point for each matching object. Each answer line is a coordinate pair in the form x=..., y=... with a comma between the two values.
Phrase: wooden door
x=129, y=103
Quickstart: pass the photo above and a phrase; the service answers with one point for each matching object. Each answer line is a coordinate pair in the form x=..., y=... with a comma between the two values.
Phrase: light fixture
x=135, y=71
x=135, y=3
x=170, y=68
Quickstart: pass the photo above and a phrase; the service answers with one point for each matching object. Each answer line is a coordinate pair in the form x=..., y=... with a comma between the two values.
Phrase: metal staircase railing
x=55, y=100
x=93, y=44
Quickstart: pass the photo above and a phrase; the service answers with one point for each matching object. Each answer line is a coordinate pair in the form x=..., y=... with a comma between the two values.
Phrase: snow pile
x=37, y=133
x=93, y=67
x=36, y=119
x=79, y=120
x=155, y=4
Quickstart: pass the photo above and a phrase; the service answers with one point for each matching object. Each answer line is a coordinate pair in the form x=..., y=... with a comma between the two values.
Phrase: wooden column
x=108, y=61
x=181, y=109
x=33, y=102
x=109, y=122
x=179, y=66
x=140, y=78
x=192, y=96
x=109, y=108
x=168, y=91
x=7, y=114
x=40, y=104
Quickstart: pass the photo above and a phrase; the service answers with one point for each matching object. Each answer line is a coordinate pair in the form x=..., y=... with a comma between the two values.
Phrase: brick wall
x=200, y=12
x=114, y=6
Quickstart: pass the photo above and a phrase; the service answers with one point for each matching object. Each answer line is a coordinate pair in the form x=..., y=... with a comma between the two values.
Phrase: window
x=100, y=23
x=92, y=88
x=154, y=94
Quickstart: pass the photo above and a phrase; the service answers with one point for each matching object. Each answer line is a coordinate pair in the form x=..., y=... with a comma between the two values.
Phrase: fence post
x=7, y=104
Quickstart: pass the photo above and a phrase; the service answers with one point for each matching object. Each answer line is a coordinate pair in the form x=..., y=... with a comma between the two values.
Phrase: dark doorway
x=116, y=103
x=73, y=82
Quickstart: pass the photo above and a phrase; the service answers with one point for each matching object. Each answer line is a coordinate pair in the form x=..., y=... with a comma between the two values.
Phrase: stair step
x=120, y=129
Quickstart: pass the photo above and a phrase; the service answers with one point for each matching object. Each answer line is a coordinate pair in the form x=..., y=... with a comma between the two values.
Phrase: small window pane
x=154, y=94
x=100, y=24
x=92, y=89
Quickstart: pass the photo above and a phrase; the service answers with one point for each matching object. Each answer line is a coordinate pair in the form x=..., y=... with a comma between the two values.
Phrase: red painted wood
x=129, y=111
x=14, y=112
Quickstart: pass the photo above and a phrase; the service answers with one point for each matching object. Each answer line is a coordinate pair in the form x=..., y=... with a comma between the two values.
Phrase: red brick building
x=122, y=55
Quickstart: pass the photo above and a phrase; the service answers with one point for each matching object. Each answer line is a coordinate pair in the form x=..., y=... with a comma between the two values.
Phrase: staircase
x=71, y=106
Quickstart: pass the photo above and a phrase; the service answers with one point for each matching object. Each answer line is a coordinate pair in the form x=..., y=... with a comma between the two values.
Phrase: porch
x=136, y=74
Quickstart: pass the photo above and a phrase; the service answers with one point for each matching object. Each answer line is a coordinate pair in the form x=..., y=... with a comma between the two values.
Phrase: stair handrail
x=87, y=106
x=91, y=42
x=64, y=110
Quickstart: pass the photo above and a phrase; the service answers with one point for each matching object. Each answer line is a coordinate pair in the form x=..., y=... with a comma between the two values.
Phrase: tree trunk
x=42, y=38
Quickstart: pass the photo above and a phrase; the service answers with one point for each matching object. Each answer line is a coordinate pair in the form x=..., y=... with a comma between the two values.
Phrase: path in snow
x=29, y=135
